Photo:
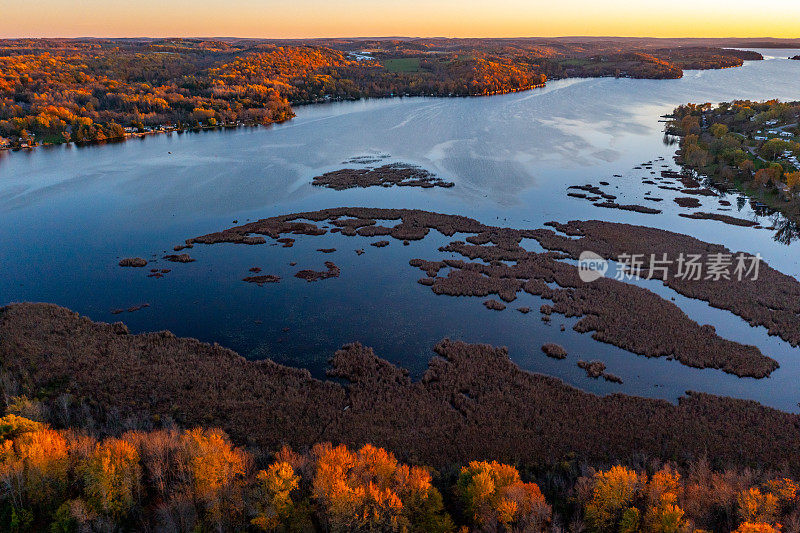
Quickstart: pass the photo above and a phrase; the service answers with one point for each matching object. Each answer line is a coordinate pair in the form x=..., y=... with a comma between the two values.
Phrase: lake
x=68, y=214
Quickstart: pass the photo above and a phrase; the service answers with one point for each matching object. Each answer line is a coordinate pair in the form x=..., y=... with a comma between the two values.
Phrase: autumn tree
x=772, y=148
x=369, y=490
x=690, y=124
x=718, y=130
x=164, y=459
x=711, y=497
x=34, y=467
x=217, y=471
x=775, y=174
x=747, y=166
x=494, y=495
x=612, y=501
x=278, y=507
x=762, y=177
x=793, y=180
x=13, y=426
x=750, y=527
x=785, y=490
x=756, y=506
x=112, y=478
x=663, y=514
x=695, y=156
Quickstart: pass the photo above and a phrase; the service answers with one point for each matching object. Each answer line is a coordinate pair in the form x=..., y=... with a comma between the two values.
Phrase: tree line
x=731, y=143
x=56, y=91
x=87, y=95
x=197, y=480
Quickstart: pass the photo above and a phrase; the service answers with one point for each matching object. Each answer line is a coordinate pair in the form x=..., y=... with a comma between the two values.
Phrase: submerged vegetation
x=615, y=312
x=472, y=402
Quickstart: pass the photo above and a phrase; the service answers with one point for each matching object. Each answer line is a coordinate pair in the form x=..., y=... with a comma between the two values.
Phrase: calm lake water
x=67, y=215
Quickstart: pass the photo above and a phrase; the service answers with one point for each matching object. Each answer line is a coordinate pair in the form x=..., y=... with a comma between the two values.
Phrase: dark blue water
x=67, y=215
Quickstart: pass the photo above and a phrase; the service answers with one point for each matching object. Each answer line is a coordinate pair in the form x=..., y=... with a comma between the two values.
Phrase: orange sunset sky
x=450, y=18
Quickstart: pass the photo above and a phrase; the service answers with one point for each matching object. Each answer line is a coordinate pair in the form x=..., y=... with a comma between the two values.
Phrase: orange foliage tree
x=218, y=472
x=370, y=490
x=34, y=466
x=276, y=506
x=750, y=527
x=612, y=504
x=494, y=495
x=112, y=477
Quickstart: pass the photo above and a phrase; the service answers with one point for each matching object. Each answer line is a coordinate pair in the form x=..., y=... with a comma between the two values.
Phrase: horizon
x=447, y=265
x=405, y=37
x=313, y=19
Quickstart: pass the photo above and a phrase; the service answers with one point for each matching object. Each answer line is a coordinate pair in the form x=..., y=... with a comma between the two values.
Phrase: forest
x=198, y=480
x=55, y=91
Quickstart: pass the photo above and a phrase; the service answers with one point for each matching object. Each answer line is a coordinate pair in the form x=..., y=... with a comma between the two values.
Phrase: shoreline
x=200, y=129
x=132, y=135
x=775, y=195
x=471, y=394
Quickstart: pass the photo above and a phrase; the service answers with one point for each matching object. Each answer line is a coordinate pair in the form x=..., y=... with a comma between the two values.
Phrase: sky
x=414, y=18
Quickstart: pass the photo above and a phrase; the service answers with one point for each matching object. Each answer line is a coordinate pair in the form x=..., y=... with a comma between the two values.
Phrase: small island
x=399, y=174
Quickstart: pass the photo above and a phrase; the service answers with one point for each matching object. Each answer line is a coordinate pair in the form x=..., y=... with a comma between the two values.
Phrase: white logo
x=591, y=266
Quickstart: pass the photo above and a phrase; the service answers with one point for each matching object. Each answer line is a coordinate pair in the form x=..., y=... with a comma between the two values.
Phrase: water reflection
x=67, y=214
x=787, y=231
x=670, y=140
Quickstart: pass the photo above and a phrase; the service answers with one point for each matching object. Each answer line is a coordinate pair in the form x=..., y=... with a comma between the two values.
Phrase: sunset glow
x=450, y=18
x=436, y=266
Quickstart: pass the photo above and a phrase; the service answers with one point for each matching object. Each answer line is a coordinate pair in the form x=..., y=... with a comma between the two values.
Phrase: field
x=404, y=64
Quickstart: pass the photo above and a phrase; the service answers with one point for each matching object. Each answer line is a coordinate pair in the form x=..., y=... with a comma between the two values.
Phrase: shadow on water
x=787, y=231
